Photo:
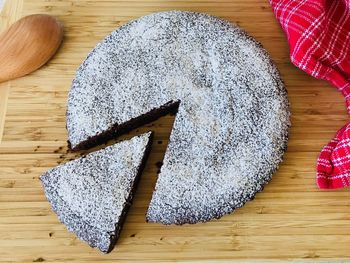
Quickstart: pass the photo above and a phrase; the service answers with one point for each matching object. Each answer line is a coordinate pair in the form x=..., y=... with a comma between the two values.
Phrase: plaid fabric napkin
x=318, y=33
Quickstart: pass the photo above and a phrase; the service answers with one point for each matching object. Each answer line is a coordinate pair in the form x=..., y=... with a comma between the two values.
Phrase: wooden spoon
x=28, y=44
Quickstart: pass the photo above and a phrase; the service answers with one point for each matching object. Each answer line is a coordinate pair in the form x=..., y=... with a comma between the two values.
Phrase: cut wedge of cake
x=91, y=195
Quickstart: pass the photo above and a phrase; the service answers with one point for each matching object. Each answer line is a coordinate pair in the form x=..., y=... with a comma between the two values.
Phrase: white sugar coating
x=89, y=194
x=231, y=129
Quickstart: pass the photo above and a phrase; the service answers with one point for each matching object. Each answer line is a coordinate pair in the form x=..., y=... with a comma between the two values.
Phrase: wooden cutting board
x=290, y=219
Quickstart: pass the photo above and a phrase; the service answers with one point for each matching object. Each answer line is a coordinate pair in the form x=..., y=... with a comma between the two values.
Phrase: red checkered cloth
x=318, y=33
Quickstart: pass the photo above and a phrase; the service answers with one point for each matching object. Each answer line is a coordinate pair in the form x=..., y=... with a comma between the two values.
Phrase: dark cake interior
x=119, y=129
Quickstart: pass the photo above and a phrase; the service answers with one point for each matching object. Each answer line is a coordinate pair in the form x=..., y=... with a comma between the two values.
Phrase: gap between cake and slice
x=75, y=222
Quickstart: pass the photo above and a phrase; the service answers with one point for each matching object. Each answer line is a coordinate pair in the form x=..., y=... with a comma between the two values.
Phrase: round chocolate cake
x=231, y=127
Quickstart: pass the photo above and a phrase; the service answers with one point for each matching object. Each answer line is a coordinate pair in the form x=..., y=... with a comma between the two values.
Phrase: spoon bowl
x=28, y=44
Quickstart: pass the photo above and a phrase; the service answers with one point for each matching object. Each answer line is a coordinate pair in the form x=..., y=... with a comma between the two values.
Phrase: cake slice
x=91, y=195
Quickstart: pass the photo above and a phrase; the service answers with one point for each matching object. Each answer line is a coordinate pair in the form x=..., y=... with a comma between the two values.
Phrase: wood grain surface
x=290, y=219
x=8, y=15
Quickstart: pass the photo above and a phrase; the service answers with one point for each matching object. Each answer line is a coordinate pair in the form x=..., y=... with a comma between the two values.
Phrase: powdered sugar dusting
x=231, y=128
x=89, y=194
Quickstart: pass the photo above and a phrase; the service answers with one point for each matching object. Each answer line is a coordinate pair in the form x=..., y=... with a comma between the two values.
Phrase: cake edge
x=129, y=201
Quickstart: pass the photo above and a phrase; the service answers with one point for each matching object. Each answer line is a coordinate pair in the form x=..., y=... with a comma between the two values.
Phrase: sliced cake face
x=231, y=128
x=91, y=194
